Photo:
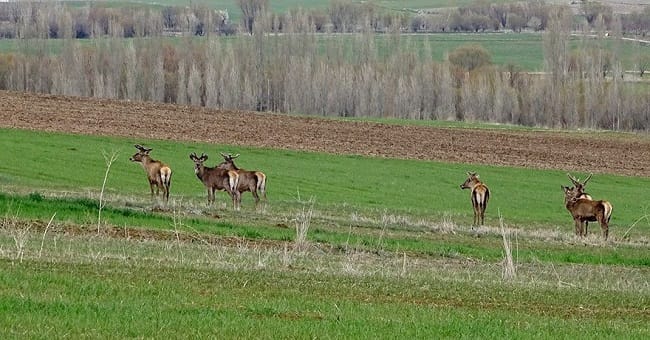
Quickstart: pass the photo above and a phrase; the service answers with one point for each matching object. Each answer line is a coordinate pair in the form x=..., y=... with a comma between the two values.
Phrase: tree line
x=301, y=73
x=305, y=73
x=59, y=20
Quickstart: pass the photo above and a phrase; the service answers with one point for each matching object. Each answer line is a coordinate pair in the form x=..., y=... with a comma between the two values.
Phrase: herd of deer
x=225, y=176
x=228, y=177
x=580, y=205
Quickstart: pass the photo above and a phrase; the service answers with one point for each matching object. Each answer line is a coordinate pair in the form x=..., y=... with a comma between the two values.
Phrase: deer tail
x=261, y=183
x=481, y=196
x=233, y=180
x=166, y=176
x=608, y=210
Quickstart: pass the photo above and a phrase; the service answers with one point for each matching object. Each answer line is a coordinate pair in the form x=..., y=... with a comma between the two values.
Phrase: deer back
x=588, y=210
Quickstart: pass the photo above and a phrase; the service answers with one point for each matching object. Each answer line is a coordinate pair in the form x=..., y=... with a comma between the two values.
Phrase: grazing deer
x=583, y=210
x=480, y=195
x=252, y=181
x=158, y=173
x=216, y=179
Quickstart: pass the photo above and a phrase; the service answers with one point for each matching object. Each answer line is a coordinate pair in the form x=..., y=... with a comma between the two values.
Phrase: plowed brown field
x=627, y=154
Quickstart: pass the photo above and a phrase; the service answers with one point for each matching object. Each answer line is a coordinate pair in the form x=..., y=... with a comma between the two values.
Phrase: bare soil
x=587, y=151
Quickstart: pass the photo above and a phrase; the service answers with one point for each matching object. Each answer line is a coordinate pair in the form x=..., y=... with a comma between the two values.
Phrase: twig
x=633, y=225
x=109, y=161
x=40, y=252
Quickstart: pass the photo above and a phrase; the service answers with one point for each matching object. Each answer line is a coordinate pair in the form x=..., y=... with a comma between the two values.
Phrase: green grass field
x=524, y=50
x=390, y=252
x=367, y=185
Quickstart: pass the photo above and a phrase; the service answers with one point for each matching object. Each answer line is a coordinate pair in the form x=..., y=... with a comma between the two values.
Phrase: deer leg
x=256, y=196
x=151, y=185
x=604, y=226
x=237, y=200
x=578, y=226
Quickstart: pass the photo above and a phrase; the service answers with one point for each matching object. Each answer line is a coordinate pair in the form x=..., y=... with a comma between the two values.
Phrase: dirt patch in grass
x=625, y=154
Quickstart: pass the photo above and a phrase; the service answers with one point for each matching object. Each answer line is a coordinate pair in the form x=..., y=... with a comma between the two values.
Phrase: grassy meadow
x=346, y=247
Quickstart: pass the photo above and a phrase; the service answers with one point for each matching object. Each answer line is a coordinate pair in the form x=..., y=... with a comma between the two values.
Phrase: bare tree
x=251, y=11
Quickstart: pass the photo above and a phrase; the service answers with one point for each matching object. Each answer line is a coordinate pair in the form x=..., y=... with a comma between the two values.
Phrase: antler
x=576, y=181
x=142, y=148
x=229, y=157
x=573, y=179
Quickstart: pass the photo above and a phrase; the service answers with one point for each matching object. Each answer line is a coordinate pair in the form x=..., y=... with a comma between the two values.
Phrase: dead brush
x=19, y=232
x=509, y=271
x=302, y=222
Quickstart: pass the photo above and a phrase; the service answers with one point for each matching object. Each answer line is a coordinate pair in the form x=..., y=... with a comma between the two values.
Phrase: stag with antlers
x=158, y=173
x=217, y=179
x=253, y=181
x=480, y=195
x=583, y=210
x=577, y=193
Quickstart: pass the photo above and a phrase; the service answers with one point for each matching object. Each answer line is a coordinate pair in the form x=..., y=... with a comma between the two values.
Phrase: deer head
x=579, y=189
x=140, y=155
x=198, y=161
x=471, y=181
x=228, y=162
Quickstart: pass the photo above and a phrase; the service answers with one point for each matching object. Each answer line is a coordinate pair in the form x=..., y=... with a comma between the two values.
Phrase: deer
x=217, y=179
x=480, y=194
x=158, y=173
x=583, y=210
x=579, y=192
x=252, y=181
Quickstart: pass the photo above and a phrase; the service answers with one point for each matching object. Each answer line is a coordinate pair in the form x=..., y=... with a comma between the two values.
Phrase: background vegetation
x=329, y=258
x=597, y=83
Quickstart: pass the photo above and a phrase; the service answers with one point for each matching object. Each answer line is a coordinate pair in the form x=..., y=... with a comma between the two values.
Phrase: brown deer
x=252, y=181
x=583, y=210
x=217, y=179
x=158, y=173
x=579, y=191
x=480, y=195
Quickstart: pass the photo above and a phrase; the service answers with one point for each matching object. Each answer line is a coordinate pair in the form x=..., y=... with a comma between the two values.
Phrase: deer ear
x=192, y=156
